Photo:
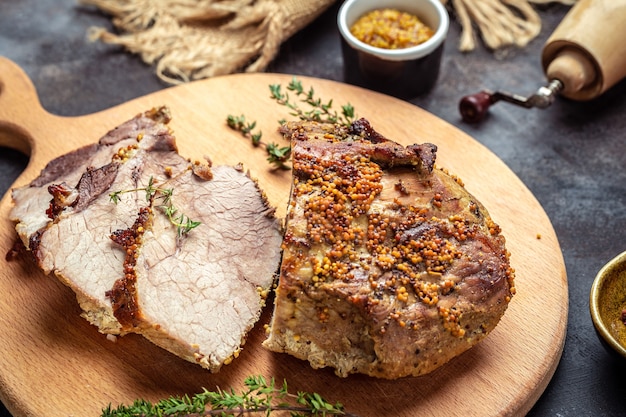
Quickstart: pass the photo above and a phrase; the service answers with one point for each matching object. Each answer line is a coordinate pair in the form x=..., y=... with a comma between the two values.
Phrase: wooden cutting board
x=53, y=363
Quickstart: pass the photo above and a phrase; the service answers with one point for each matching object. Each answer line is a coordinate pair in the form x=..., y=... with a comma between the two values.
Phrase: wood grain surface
x=53, y=363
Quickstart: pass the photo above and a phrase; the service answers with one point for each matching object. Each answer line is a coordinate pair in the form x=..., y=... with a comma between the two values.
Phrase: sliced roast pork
x=32, y=202
x=181, y=253
x=390, y=267
x=199, y=292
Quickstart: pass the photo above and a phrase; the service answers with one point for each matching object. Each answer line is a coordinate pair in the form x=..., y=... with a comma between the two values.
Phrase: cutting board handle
x=25, y=125
x=19, y=107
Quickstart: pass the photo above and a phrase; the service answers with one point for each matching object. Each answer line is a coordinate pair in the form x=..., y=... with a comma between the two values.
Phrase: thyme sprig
x=258, y=397
x=240, y=124
x=319, y=111
x=276, y=155
x=182, y=222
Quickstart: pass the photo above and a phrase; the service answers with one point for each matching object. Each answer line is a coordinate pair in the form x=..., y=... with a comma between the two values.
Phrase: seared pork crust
x=390, y=267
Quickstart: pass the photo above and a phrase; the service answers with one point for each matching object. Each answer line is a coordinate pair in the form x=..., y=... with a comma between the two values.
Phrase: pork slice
x=390, y=268
x=31, y=202
x=75, y=244
x=198, y=295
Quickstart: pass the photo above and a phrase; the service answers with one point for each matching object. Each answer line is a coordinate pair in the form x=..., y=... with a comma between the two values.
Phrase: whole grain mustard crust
x=379, y=237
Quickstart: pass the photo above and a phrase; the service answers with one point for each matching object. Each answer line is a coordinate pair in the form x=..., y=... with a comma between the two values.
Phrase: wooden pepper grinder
x=584, y=57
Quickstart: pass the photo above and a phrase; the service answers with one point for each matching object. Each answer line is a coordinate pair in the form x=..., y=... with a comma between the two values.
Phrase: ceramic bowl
x=607, y=301
x=406, y=72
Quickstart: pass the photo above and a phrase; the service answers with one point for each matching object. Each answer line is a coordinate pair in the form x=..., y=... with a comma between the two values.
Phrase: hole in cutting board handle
x=12, y=164
x=18, y=99
x=14, y=154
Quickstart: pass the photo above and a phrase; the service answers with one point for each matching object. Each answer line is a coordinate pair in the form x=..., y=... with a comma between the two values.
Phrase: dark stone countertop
x=572, y=156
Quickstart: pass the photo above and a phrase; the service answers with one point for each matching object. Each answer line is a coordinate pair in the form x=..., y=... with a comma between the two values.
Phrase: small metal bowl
x=607, y=300
x=404, y=73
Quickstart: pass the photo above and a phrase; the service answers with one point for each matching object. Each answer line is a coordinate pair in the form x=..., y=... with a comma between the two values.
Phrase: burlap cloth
x=192, y=39
x=501, y=23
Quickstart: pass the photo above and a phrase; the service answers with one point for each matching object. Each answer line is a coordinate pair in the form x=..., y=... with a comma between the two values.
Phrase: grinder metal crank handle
x=586, y=54
x=474, y=107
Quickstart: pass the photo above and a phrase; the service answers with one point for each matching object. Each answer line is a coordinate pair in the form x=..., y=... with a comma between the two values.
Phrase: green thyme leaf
x=115, y=196
x=315, y=110
x=183, y=223
x=259, y=397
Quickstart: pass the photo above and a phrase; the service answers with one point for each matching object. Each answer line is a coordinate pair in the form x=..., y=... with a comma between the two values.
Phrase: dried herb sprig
x=182, y=222
x=259, y=397
x=319, y=111
x=240, y=124
x=276, y=154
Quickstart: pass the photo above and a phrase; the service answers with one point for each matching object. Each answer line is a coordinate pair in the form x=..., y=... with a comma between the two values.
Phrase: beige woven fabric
x=193, y=39
x=500, y=23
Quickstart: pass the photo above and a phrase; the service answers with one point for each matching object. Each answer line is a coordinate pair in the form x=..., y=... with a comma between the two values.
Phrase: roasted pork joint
x=390, y=267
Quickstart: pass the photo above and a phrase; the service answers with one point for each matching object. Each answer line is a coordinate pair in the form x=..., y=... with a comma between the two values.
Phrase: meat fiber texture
x=390, y=267
x=193, y=290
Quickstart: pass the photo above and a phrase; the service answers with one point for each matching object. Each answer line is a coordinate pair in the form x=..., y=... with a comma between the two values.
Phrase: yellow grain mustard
x=391, y=29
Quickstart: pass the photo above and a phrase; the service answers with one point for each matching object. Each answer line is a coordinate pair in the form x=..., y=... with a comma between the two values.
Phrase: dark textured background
x=572, y=156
